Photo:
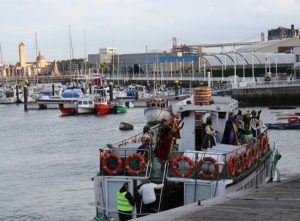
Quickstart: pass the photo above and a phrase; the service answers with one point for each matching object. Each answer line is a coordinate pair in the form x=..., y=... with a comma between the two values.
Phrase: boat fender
x=141, y=160
x=207, y=174
x=175, y=166
x=107, y=169
x=231, y=166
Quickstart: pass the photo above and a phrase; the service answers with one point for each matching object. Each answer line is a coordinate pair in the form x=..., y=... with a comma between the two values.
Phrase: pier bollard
x=25, y=97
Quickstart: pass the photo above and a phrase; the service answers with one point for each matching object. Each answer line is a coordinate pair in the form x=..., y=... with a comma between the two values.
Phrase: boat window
x=222, y=115
x=80, y=102
x=153, y=105
x=90, y=102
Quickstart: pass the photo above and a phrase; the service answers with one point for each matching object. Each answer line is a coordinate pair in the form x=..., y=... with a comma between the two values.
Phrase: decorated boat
x=189, y=172
x=156, y=110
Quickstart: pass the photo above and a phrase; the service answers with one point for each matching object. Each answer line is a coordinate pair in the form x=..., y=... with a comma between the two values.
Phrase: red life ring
x=209, y=175
x=141, y=160
x=231, y=166
x=175, y=166
x=106, y=168
x=133, y=140
x=240, y=166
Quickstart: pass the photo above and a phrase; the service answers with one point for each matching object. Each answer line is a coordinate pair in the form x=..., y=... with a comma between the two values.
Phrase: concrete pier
x=267, y=96
x=273, y=201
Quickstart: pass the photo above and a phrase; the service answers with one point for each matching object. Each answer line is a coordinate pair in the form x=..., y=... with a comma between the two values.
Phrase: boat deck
x=273, y=201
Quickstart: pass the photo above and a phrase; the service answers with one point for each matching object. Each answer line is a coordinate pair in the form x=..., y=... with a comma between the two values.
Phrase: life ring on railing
x=133, y=140
x=142, y=164
x=249, y=158
x=207, y=174
x=105, y=166
x=175, y=166
x=231, y=166
x=240, y=166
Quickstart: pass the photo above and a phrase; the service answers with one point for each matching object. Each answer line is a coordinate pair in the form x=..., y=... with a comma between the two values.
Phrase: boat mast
x=71, y=49
x=36, y=57
x=85, y=58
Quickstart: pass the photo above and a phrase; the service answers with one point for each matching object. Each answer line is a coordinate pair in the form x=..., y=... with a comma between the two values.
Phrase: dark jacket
x=128, y=196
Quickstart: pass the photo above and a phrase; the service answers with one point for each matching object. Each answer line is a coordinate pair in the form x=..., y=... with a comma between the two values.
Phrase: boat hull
x=102, y=109
x=154, y=115
x=283, y=126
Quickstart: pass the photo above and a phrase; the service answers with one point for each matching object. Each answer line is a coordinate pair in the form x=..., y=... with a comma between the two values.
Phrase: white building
x=105, y=56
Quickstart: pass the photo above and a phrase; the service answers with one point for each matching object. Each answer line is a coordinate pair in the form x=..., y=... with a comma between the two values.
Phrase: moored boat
x=118, y=107
x=293, y=123
x=86, y=106
x=101, y=106
x=156, y=110
x=189, y=172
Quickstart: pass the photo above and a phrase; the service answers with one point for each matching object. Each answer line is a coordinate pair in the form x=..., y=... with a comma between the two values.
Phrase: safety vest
x=123, y=203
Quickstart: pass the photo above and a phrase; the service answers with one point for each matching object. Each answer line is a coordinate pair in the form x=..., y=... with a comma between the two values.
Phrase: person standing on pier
x=125, y=203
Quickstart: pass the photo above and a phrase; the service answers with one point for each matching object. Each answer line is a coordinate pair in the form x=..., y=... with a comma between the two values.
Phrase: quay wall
x=267, y=96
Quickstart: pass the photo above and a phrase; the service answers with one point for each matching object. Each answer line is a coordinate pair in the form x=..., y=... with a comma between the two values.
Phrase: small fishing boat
x=101, y=106
x=118, y=107
x=292, y=124
x=86, y=106
x=125, y=126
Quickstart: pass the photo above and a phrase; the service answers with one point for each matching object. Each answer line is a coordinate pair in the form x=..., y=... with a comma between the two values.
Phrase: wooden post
x=17, y=94
x=111, y=90
x=25, y=96
x=53, y=92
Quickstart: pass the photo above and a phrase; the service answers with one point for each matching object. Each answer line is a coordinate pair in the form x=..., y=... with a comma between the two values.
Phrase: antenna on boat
x=71, y=48
x=85, y=58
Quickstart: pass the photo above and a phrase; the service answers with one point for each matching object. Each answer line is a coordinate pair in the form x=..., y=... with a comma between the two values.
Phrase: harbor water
x=47, y=160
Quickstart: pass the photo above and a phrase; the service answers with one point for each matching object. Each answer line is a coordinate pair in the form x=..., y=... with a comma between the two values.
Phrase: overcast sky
x=130, y=25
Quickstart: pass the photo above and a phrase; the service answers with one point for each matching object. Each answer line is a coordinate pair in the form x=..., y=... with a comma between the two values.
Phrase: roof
x=272, y=45
x=241, y=59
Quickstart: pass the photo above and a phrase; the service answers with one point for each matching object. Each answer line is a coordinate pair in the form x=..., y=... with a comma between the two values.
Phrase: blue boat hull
x=283, y=126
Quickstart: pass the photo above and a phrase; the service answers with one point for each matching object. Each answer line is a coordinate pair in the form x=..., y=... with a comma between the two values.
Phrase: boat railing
x=220, y=162
x=130, y=161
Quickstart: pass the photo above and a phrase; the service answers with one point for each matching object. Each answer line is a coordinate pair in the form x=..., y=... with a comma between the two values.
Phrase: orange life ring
x=231, y=166
x=240, y=166
x=175, y=166
x=109, y=170
x=209, y=175
x=141, y=160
